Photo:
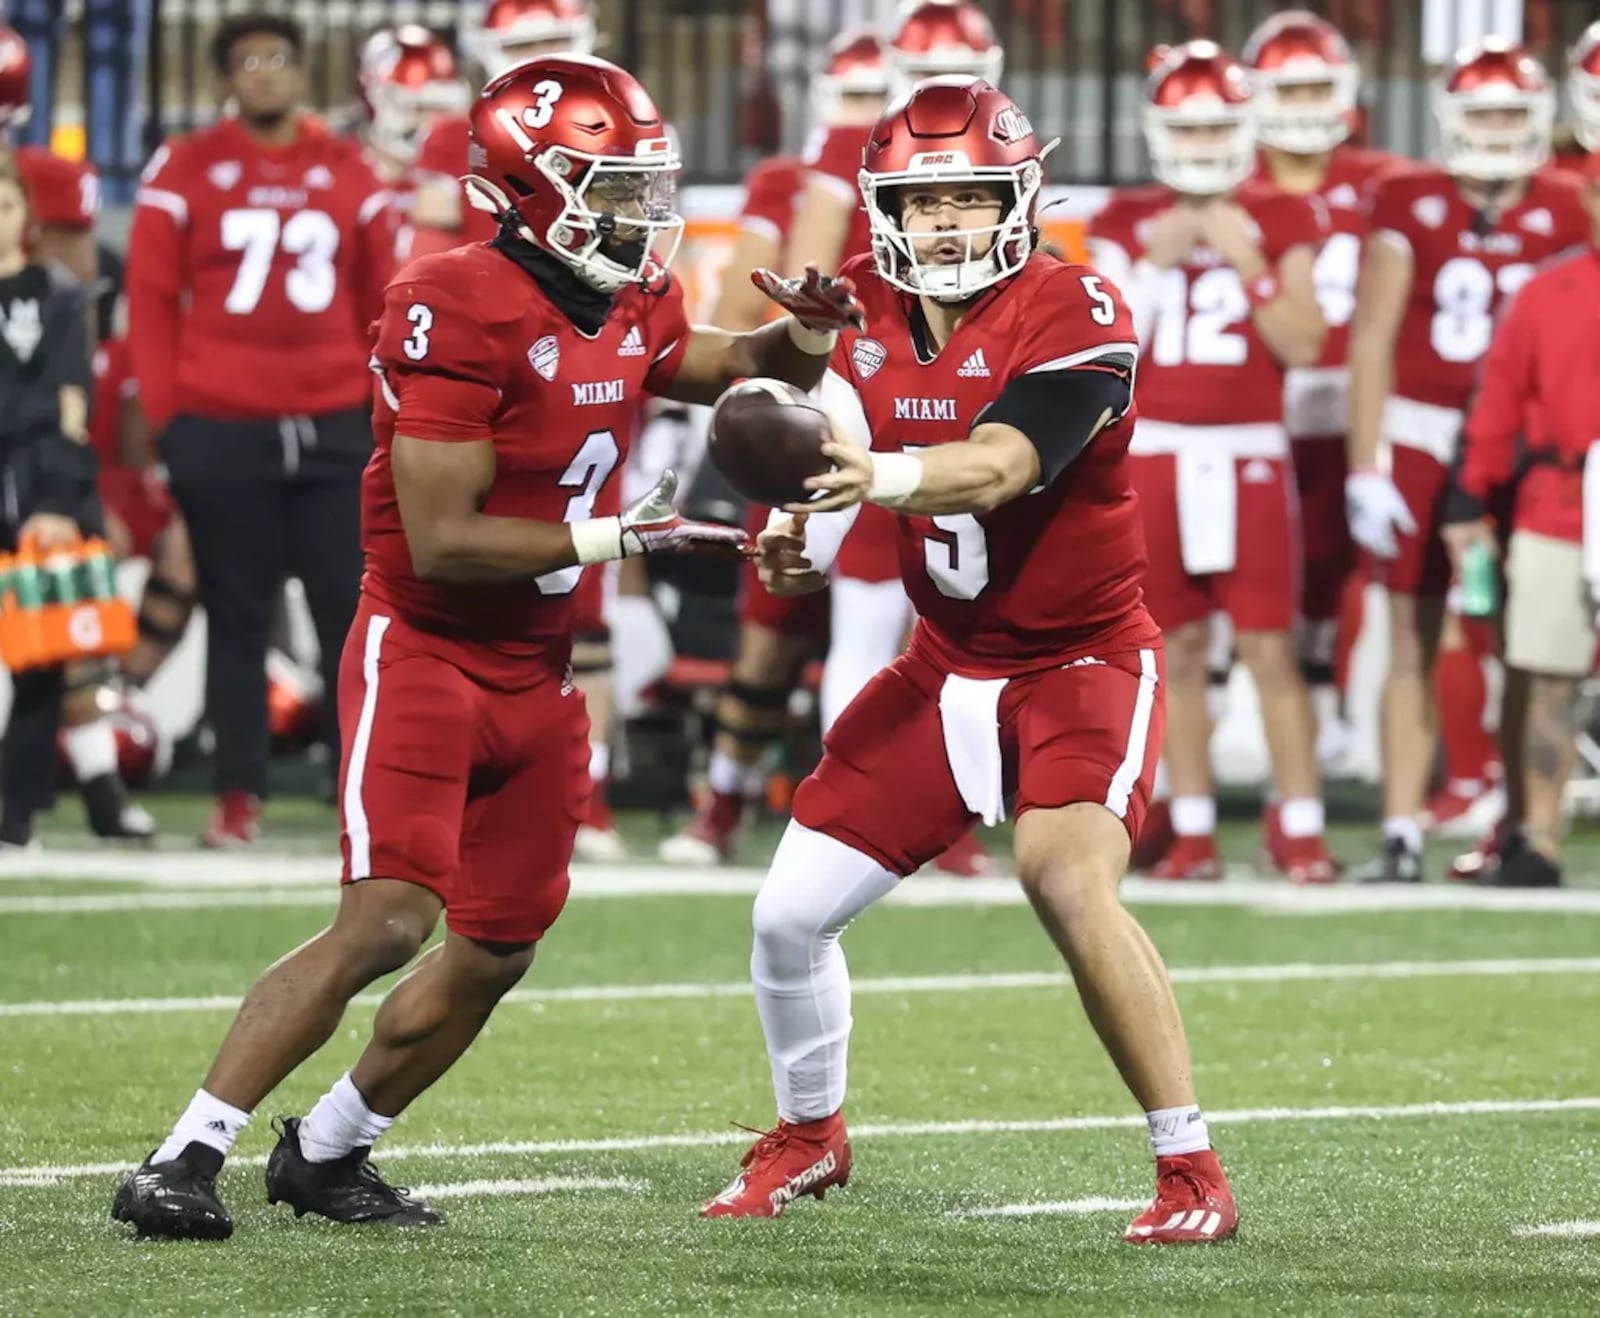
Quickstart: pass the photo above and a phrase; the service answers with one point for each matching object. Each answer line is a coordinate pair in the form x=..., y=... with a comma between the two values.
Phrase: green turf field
x=1406, y=1091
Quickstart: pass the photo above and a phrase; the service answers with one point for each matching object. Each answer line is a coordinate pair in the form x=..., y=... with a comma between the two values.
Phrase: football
x=766, y=439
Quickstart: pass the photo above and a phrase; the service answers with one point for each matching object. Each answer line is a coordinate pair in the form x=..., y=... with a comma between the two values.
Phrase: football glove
x=651, y=525
x=823, y=304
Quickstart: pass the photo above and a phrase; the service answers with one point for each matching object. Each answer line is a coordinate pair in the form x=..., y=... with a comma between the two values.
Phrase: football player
x=1034, y=669
x=1219, y=269
x=504, y=402
x=1446, y=246
x=1307, y=84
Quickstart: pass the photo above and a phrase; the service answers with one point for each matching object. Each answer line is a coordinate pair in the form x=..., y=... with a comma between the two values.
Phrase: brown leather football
x=766, y=439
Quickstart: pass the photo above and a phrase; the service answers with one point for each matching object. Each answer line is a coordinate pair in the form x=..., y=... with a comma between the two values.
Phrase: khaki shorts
x=1550, y=613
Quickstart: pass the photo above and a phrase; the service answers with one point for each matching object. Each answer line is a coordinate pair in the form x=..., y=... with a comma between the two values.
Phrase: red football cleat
x=789, y=1161
x=1190, y=859
x=1155, y=837
x=1306, y=860
x=1482, y=863
x=709, y=838
x=235, y=821
x=1193, y=1204
x=965, y=859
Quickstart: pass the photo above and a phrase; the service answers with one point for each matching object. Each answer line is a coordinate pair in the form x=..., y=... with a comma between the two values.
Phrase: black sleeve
x=1058, y=410
x=70, y=359
x=59, y=475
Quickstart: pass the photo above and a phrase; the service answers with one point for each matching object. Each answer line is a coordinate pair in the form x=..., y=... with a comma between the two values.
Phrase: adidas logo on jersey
x=632, y=344
x=974, y=367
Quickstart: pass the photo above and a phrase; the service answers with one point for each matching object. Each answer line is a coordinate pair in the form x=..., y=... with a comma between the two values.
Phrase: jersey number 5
x=956, y=552
x=256, y=233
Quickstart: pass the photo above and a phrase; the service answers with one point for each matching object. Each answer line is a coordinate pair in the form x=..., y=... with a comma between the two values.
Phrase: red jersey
x=1204, y=363
x=470, y=348
x=1537, y=383
x=835, y=158
x=254, y=274
x=770, y=195
x=113, y=385
x=442, y=157
x=1054, y=575
x=63, y=194
x=1461, y=272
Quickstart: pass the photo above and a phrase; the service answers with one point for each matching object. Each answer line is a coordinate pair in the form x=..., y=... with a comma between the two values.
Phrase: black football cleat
x=1397, y=863
x=348, y=1189
x=1524, y=868
x=176, y=1199
x=111, y=815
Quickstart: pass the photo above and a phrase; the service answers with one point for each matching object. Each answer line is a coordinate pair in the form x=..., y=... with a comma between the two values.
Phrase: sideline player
x=1219, y=273
x=502, y=405
x=1034, y=668
x=1447, y=245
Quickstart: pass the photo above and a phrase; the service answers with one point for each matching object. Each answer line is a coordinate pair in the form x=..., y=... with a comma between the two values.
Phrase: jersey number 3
x=256, y=233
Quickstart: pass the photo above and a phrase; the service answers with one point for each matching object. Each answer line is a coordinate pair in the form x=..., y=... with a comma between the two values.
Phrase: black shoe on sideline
x=175, y=1199
x=1524, y=868
x=348, y=1189
x=1397, y=864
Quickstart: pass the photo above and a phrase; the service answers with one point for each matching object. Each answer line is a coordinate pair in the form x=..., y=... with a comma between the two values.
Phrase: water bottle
x=1480, y=582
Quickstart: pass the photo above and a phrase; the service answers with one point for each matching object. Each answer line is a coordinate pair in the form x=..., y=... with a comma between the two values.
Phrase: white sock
x=1406, y=828
x=1194, y=816
x=207, y=1120
x=91, y=749
x=599, y=761
x=1325, y=704
x=1176, y=1130
x=726, y=776
x=1301, y=816
x=815, y=886
x=869, y=623
x=341, y=1121
x=1161, y=790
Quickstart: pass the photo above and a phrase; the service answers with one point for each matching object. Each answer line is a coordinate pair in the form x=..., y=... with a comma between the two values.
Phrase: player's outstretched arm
x=440, y=486
x=796, y=348
x=1030, y=434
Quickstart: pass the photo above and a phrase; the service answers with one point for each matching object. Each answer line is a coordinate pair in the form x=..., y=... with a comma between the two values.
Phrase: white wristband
x=597, y=540
x=895, y=478
x=814, y=343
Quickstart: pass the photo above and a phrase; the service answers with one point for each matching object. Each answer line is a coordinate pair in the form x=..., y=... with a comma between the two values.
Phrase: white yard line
x=1262, y=974
x=1054, y=1208
x=1559, y=1230
x=48, y=1174
x=538, y=1185
x=205, y=881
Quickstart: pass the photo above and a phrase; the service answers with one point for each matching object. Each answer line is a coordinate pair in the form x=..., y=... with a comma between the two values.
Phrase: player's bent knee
x=485, y=970
x=1072, y=857
x=384, y=922
x=814, y=887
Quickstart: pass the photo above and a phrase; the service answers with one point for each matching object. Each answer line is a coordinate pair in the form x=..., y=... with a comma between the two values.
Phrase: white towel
x=1591, y=518
x=969, y=710
x=1208, y=498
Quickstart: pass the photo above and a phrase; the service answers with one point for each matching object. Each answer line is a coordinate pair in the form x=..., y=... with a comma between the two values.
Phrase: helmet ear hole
x=519, y=185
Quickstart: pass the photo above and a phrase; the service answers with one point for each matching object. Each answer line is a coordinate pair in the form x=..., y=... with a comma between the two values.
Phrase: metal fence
x=733, y=75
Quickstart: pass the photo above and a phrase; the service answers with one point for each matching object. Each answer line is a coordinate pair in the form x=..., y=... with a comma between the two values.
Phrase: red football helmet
x=953, y=129
x=575, y=152
x=943, y=36
x=518, y=30
x=406, y=76
x=1200, y=120
x=16, y=79
x=856, y=67
x=1496, y=111
x=1583, y=87
x=1290, y=57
